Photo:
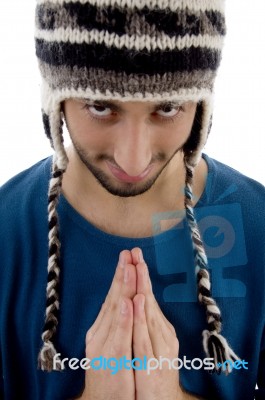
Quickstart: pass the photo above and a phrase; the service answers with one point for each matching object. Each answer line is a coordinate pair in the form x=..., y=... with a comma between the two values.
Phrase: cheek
x=83, y=130
x=173, y=137
x=185, y=126
x=92, y=140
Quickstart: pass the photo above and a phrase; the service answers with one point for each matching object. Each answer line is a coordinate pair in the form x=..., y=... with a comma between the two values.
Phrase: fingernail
x=140, y=256
x=123, y=307
x=122, y=260
x=126, y=275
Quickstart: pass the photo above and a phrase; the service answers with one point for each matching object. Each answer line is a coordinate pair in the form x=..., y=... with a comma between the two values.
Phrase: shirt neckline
x=66, y=208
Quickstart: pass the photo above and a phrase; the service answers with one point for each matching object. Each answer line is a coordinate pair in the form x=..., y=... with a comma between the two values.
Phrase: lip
x=123, y=177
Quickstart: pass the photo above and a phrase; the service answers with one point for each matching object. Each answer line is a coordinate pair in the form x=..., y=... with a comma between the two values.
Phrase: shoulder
x=28, y=176
x=237, y=199
x=224, y=182
x=24, y=190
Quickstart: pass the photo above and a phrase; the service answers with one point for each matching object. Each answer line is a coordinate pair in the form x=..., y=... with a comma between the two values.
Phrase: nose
x=132, y=149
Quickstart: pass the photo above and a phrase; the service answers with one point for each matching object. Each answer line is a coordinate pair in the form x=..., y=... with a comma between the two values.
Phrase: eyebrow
x=162, y=104
x=105, y=103
x=115, y=107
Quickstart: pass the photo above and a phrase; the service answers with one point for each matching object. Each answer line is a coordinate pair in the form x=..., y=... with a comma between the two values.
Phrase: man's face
x=127, y=146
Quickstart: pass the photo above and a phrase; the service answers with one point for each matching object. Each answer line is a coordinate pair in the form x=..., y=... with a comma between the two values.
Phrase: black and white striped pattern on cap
x=123, y=20
x=172, y=5
x=138, y=42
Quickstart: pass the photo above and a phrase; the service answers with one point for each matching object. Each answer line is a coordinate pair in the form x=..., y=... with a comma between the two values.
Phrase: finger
x=128, y=291
x=114, y=291
x=144, y=286
x=106, y=326
x=161, y=332
x=143, y=280
x=142, y=345
x=153, y=322
x=121, y=343
x=137, y=255
x=128, y=288
x=115, y=288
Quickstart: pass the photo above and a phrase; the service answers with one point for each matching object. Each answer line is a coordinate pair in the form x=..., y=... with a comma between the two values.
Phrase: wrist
x=81, y=396
x=183, y=395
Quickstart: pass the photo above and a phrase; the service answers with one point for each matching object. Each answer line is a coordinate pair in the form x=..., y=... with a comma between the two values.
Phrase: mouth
x=121, y=176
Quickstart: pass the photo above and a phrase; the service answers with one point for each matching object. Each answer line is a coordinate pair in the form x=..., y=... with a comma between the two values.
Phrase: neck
x=129, y=216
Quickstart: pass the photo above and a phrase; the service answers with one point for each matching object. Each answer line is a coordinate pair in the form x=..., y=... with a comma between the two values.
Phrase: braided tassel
x=214, y=344
x=48, y=351
x=53, y=127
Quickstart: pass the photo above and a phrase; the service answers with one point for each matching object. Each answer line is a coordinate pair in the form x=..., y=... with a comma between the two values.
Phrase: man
x=133, y=82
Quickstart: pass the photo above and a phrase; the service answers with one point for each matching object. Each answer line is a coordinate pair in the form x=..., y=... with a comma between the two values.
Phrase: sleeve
x=1, y=382
x=260, y=391
x=1, y=387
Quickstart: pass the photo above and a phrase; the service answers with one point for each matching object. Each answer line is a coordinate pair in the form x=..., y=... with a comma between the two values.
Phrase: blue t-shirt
x=231, y=215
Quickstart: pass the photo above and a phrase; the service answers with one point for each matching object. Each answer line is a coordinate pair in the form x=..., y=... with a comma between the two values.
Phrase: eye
x=168, y=110
x=99, y=111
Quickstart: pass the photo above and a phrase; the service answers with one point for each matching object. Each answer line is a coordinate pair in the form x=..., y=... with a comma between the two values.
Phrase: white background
x=238, y=134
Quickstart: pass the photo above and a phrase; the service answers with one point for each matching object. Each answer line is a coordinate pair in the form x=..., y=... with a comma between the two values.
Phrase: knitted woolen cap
x=144, y=50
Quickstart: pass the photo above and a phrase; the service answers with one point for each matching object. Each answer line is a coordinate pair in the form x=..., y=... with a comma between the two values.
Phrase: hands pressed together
x=131, y=323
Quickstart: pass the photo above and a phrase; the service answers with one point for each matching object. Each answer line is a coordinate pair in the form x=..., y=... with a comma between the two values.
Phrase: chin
x=128, y=189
